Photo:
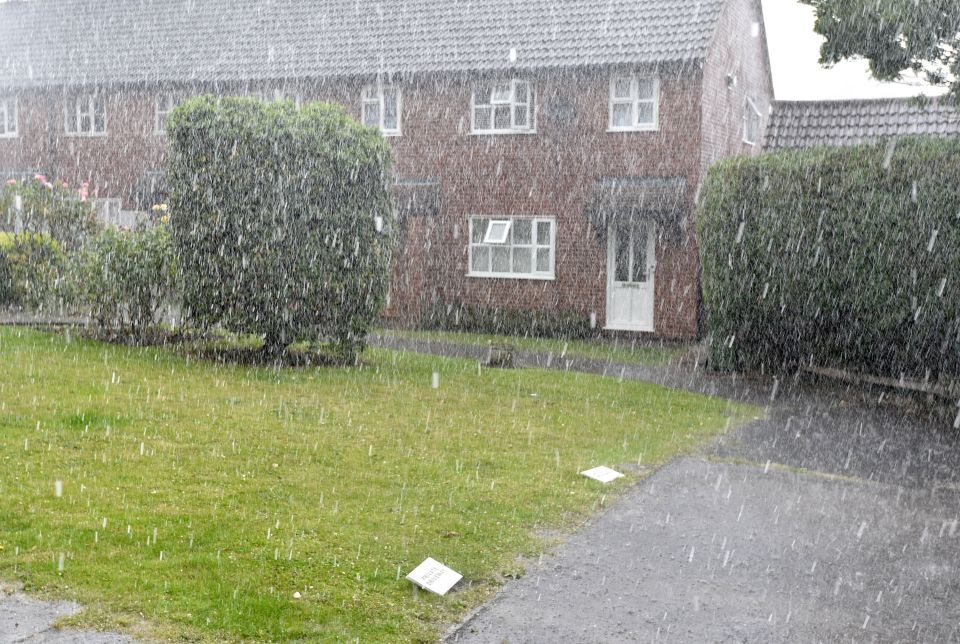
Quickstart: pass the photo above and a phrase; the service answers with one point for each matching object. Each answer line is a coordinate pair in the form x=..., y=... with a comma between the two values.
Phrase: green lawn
x=196, y=498
x=628, y=351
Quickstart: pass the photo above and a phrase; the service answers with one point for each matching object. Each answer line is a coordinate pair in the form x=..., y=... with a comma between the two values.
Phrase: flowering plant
x=38, y=205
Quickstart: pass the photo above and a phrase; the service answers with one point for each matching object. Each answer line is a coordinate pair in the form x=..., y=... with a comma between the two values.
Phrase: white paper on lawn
x=603, y=474
x=434, y=576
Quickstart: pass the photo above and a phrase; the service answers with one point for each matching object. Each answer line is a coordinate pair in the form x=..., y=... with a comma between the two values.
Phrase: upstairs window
x=503, y=108
x=381, y=108
x=519, y=247
x=634, y=103
x=751, y=122
x=86, y=115
x=164, y=105
x=8, y=116
x=269, y=95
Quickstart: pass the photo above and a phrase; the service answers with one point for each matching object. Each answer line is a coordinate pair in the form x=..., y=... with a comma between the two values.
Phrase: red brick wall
x=735, y=51
x=549, y=173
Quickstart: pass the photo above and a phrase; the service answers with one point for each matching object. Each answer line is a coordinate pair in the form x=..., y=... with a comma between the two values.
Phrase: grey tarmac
x=834, y=519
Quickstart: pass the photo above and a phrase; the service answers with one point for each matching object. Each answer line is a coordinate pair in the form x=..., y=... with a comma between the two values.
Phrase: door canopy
x=658, y=199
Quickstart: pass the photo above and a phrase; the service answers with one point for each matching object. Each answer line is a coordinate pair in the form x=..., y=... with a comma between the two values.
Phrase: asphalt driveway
x=836, y=519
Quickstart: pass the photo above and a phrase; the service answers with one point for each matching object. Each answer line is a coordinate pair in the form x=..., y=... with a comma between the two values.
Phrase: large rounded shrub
x=282, y=219
x=845, y=258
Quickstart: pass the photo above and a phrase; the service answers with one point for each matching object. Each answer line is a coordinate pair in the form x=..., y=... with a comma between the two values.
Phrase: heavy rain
x=479, y=321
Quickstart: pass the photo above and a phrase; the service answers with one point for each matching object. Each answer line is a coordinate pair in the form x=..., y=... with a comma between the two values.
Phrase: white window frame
x=492, y=87
x=271, y=94
x=634, y=101
x=751, y=114
x=108, y=210
x=74, y=113
x=375, y=95
x=534, y=245
x=163, y=105
x=8, y=117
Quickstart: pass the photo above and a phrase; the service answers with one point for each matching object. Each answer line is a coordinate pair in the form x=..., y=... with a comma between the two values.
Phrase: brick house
x=548, y=155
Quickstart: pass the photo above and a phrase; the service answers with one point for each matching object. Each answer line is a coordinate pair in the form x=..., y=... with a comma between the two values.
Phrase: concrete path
x=30, y=621
x=739, y=544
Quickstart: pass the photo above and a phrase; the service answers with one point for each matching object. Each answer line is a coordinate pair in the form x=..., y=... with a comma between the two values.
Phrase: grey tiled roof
x=101, y=41
x=837, y=123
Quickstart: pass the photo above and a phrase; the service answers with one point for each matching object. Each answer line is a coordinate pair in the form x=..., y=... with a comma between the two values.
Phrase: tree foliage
x=282, y=219
x=842, y=258
x=894, y=36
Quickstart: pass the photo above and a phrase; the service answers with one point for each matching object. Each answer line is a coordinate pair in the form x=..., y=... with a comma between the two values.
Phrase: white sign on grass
x=603, y=474
x=434, y=576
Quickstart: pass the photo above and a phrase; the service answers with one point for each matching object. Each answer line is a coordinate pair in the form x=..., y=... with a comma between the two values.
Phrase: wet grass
x=197, y=498
x=616, y=350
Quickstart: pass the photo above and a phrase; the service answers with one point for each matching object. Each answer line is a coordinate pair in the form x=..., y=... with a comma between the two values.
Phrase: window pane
x=520, y=92
x=480, y=260
x=501, y=117
x=99, y=125
x=645, y=113
x=520, y=116
x=621, y=272
x=85, y=123
x=481, y=118
x=501, y=93
x=543, y=260
x=543, y=233
x=622, y=115
x=481, y=96
x=498, y=232
x=479, y=230
x=645, y=89
x=621, y=88
x=500, y=259
x=391, y=114
x=522, y=260
x=522, y=231
x=640, y=254
x=371, y=114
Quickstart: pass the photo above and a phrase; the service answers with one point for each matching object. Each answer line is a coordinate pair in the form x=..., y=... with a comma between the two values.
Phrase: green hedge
x=457, y=316
x=282, y=219
x=124, y=278
x=32, y=268
x=845, y=258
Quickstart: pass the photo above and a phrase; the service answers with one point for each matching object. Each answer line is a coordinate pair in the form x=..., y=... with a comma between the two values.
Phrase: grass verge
x=197, y=498
x=621, y=350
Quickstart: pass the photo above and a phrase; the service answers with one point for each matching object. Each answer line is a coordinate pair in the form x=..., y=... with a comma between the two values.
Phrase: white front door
x=631, y=262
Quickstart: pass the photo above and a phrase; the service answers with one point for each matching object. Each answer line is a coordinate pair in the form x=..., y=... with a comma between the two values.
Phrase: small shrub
x=35, y=266
x=281, y=219
x=6, y=279
x=844, y=258
x=125, y=278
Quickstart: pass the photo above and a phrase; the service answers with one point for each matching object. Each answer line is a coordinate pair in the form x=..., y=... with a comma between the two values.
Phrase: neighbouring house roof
x=45, y=42
x=838, y=123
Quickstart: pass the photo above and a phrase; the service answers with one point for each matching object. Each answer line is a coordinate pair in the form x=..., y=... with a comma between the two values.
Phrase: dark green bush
x=846, y=258
x=6, y=279
x=125, y=278
x=567, y=325
x=35, y=266
x=280, y=219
